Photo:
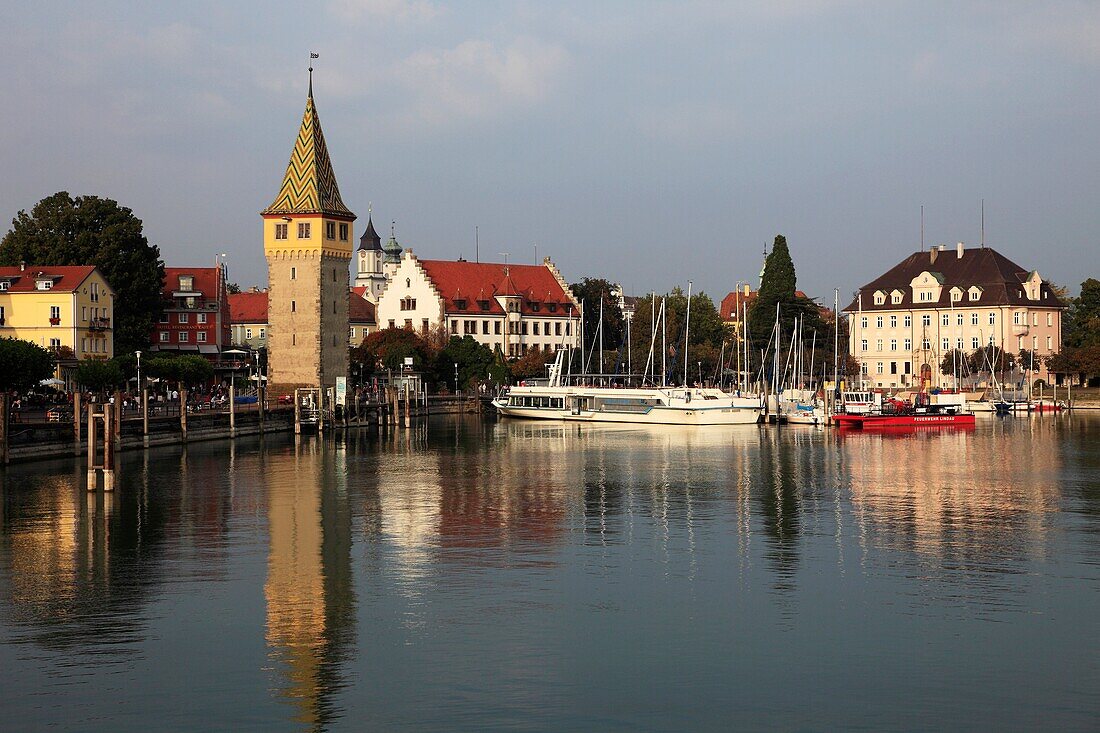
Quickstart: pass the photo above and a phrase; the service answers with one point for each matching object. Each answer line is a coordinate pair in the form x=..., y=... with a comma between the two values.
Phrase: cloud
x=477, y=79
x=397, y=10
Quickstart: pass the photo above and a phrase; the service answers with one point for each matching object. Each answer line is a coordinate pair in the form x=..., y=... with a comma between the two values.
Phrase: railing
x=99, y=324
x=55, y=321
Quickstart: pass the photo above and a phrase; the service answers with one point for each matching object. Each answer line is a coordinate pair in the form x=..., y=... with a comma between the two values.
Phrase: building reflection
x=310, y=622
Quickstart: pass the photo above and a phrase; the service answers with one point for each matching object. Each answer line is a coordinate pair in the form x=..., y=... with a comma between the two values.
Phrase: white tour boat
x=556, y=400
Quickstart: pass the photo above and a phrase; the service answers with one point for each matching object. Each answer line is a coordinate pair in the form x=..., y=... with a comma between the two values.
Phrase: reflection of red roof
x=360, y=310
x=477, y=284
x=65, y=278
x=205, y=280
x=248, y=307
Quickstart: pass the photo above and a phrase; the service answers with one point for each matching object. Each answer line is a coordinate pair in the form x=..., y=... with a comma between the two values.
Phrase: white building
x=513, y=307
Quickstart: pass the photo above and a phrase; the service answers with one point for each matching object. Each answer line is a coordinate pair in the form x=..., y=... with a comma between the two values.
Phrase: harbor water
x=475, y=575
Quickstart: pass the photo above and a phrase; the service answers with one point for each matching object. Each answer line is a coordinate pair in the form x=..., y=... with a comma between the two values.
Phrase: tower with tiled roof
x=369, y=262
x=308, y=243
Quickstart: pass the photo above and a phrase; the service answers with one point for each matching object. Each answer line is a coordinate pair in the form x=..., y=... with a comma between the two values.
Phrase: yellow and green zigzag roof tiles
x=309, y=186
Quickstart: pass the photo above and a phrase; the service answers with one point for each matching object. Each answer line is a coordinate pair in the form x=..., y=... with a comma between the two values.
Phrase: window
x=187, y=283
x=1020, y=343
x=391, y=323
x=460, y=304
x=974, y=342
x=1050, y=319
x=95, y=292
x=926, y=320
x=294, y=273
x=44, y=285
x=956, y=296
x=184, y=318
x=863, y=345
x=424, y=325
x=408, y=325
x=975, y=294
x=454, y=327
x=908, y=321
x=535, y=328
x=5, y=284
x=184, y=337
x=409, y=304
x=946, y=319
x=947, y=345
x=524, y=331
x=959, y=319
x=893, y=367
x=863, y=368
x=1050, y=343
x=992, y=318
x=879, y=299
x=879, y=368
x=893, y=344
x=908, y=344
x=303, y=230
x=557, y=328
x=163, y=338
x=353, y=333
x=973, y=319
x=343, y=232
x=568, y=328
x=878, y=344
x=893, y=321
x=330, y=230
x=485, y=328
x=280, y=231
x=878, y=322
x=201, y=337
x=263, y=333
x=55, y=311
x=1034, y=319
x=1017, y=317
x=293, y=306
x=83, y=312
x=200, y=318
x=496, y=327
x=863, y=322
x=959, y=344
x=895, y=298
x=1034, y=343
x=248, y=333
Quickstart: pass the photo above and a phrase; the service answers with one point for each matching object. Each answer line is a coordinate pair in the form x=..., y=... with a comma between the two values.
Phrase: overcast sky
x=648, y=143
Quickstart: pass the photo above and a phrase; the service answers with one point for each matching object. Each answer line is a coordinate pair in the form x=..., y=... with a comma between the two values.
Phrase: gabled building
x=248, y=319
x=370, y=277
x=61, y=308
x=513, y=307
x=196, y=312
x=361, y=316
x=902, y=323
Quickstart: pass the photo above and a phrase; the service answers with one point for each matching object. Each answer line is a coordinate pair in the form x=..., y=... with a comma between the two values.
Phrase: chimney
x=748, y=289
x=959, y=250
x=22, y=265
x=932, y=253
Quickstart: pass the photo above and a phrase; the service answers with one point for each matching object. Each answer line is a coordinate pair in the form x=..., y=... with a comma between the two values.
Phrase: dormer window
x=460, y=303
x=44, y=285
x=483, y=305
x=187, y=283
x=5, y=284
x=895, y=297
x=975, y=294
x=880, y=297
x=534, y=307
x=552, y=307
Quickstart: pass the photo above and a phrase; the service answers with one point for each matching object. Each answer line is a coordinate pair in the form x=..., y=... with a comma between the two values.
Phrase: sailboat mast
x=687, y=333
x=664, y=339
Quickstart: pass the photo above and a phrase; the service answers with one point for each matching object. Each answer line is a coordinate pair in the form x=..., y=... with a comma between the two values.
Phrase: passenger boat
x=554, y=399
x=893, y=413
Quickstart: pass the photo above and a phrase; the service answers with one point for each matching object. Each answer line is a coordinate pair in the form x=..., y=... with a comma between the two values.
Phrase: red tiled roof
x=733, y=302
x=66, y=278
x=248, y=307
x=360, y=310
x=206, y=280
x=482, y=281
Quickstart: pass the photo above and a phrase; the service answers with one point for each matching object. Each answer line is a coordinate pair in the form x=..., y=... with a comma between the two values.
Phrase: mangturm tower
x=308, y=243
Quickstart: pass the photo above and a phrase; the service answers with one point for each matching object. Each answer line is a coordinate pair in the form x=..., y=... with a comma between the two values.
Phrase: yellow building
x=65, y=309
x=308, y=243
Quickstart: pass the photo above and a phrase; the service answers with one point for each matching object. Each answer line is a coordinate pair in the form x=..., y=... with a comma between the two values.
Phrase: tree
x=23, y=364
x=1081, y=326
x=778, y=290
x=590, y=292
x=954, y=361
x=189, y=369
x=473, y=359
x=88, y=230
x=99, y=376
x=532, y=365
x=707, y=329
x=232, y=288
x=991, y=360
x=388, y=348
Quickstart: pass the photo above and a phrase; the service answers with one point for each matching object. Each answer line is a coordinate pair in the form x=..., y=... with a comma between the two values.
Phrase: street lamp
x=139, y=390
x=456, y=377
x=700, y=367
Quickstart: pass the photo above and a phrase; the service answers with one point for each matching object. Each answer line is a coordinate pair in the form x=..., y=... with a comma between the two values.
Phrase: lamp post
x=139, y=390
x=699, y=366
x=456, y=377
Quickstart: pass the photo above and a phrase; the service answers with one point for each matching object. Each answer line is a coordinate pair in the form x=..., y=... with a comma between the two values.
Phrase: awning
x=189, y=348
x=208, y=349
x=162, y=347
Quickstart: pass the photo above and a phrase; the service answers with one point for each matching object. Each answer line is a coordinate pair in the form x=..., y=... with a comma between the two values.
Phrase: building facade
x=902, y=324
x=370, y=277
x=361, y=316
x=511, y=307
x=308, y=235
x=196, y=311
x=248, y=319
x=69, y=310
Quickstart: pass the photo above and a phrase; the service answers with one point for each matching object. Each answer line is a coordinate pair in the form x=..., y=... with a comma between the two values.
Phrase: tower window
x=280, y=231
x=293, y=307
x=330, y=230
x=343, y=232
x=294, y=273
x=303, y=230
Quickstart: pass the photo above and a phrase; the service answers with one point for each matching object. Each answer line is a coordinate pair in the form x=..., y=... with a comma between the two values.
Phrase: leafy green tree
x=707, y=330
x=592, y=291
x=99, y=376
x=194, y=370
x=778, y=288
x=1081, y=324
x=23, y=364
x=388, y=348
x=989, y=359
x=954, y=360
x=473, y=359
x=89, y=230
x=532, y=365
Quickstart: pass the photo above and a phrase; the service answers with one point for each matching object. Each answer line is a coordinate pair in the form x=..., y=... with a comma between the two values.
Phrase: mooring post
x=232, y=410
x=297, y=411
x=322, y=393
x=183, y=414
x=76, y=424
x=145, y=416
x=261, y=401
x=4, y=429
x=110, y=443
x=408, y=415
x=92, y=448
x=116, y=418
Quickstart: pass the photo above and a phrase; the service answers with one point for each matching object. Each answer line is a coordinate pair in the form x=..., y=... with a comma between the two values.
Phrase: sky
x=650, y=143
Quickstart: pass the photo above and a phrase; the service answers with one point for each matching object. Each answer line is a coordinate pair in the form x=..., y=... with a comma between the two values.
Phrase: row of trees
x=1079, y=356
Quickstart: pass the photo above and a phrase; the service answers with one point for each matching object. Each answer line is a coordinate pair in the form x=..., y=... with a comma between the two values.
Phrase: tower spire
x=311, y=57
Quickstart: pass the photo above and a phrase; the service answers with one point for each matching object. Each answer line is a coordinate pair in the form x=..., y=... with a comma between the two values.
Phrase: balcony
x=99, y=324
x=55, y=321
x=1019, y=329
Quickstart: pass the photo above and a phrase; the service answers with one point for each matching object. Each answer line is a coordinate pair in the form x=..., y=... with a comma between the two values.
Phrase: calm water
x=474, y=575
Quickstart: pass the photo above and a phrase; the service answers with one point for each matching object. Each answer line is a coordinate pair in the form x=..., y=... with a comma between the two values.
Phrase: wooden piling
x=4, y=428
x=76, y=424
x=183, y=414
x=232, y=410
x=145, y=416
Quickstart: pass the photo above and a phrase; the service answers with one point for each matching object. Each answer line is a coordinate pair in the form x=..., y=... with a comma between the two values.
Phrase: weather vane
x=312, y=56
